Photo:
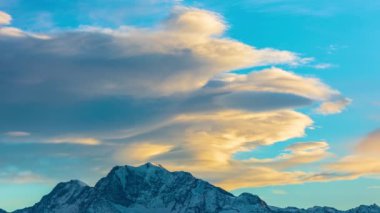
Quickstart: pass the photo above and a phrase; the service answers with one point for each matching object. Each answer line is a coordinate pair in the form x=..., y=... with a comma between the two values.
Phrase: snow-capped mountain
x=151, y=188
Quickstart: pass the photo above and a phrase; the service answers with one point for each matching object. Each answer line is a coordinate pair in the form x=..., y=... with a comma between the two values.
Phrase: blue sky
x=193, y=85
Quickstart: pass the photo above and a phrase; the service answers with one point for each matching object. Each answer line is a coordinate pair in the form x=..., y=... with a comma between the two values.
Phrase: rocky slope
x=151, y=188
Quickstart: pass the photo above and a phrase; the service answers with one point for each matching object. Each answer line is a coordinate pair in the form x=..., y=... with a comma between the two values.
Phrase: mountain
x=150, y=188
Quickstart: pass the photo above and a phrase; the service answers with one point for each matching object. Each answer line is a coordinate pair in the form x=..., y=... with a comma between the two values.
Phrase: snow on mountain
x=150, y=188
x=153, y=187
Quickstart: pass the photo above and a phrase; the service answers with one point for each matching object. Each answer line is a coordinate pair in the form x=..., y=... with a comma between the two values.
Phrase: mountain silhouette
x=151, y=188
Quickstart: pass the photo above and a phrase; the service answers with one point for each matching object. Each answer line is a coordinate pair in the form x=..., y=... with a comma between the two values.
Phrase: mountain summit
x=150, y=188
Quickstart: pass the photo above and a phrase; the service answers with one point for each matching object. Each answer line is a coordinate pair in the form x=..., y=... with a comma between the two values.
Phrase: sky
x=278, y=98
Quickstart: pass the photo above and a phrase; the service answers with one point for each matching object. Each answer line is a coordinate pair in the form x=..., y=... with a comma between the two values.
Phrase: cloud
x=357, y=165
x=97, y=80
x=262, y=176
x=205, y=143
x=163, y=93
x=260, y=101
x=278, y=80
x=5, y=18
x=141, y=152
x=374, y=187
x=20, y=177
x=370, y=144
x=83, y=141
x=190, y=21
x=298, y=154
x=17, y=134
x=335, y=106
x=181, y=59
x=12, y=32
x=323, y=66
x=279, y=192
x=364, y=161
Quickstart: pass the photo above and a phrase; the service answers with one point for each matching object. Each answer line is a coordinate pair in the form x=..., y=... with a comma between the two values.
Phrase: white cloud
x=5, y=18
x=17, y=134
x=322, y=66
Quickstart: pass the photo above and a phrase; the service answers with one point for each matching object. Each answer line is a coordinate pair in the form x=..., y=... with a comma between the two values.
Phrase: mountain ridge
x=152, y=188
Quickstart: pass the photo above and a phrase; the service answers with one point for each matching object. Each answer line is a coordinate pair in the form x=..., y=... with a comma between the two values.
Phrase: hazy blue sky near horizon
x=284, y=88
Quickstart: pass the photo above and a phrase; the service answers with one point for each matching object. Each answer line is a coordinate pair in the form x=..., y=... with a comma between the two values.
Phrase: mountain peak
x=72, y=185
x=150, y=164
x=152, y=188
x=76, y=182
x=140, y=168
x=250, y=197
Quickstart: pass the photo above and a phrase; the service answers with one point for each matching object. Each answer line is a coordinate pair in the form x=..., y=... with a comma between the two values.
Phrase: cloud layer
x=183, y=56
x=166, y=93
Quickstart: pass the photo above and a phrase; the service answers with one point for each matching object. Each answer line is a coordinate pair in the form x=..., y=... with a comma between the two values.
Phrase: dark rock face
x=317, y=209
x=150, y=188
x=365, y=209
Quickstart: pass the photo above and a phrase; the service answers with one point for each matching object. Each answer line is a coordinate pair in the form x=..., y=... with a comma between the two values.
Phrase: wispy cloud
x=364, y=160
x=20, y=177
x=374, y=187
x=17, y=134
x=323, y=66
x=279, y=192
x=295, y=155
x=83, y=141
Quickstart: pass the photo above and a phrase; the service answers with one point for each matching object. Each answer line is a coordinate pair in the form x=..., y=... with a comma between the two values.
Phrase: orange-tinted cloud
x=364, y=161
